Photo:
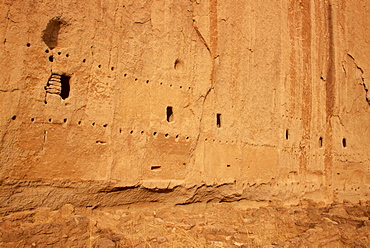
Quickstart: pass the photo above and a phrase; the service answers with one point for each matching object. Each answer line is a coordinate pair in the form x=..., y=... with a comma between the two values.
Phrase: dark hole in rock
x=218, y=120
x=169, y=114
x=51, y=58
x=155, y=168
x=344, y=142
x=64, y=80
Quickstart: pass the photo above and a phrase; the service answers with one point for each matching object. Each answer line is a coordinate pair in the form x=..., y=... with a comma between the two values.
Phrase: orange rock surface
x=115, y=102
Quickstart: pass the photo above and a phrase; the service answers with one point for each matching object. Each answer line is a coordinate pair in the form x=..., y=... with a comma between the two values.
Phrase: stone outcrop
x=107, y=103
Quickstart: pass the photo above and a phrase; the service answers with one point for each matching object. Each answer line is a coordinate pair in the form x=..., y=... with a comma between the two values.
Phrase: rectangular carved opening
x=155, y=168
x=65, y=87
x=169, y=114
x=218, y=120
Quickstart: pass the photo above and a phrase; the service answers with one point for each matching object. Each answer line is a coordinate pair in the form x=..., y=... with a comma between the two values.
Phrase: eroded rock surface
x=242, y=224
x=117, y=102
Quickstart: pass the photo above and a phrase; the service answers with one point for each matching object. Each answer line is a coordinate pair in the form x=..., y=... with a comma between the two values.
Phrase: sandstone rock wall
x=117, y=101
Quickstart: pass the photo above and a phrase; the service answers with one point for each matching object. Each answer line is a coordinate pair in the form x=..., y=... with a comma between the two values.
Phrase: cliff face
x=114, y=102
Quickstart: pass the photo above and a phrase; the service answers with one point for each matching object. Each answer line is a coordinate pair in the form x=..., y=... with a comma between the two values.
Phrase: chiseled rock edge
x=25, y=195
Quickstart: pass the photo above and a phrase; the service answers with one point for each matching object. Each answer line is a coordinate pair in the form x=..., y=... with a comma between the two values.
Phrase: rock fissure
x=367, y=93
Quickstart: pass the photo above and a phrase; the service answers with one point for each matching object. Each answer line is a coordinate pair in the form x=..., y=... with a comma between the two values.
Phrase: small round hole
x=47, y=51
x=125, y=75
x=166, y=135
x=79, y=122
x=67, y=55
x=64, y=120
x=28, y=44
x=32, y=119
x=228, y=165
x=155, y=133
x=142, y=132
x=14, y=117
x=135, y=79
x=120, y=130
x=132, y=131
x=161, y=83
x=59, y=53
x=112, y=68
x=105, y=125
x=51, y=58
x=50, y=120
x=93, y=124
x=45, y=102
x=177, y=136
x=187, y=138
x=99, y=66
x=84, y=60
x=170, y=85
x=147, y=81
x=180, y=87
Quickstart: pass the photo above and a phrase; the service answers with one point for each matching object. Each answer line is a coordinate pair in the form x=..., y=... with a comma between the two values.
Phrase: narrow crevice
x=367, y=94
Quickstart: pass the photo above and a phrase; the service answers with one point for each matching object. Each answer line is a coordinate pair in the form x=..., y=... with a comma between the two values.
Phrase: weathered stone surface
x=177, y=97
x=212, y=225
x=108, y=103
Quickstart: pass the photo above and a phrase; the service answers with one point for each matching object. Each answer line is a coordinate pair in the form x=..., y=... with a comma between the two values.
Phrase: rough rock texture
x=241, y=224
x=184, y=123
x=113, y=102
